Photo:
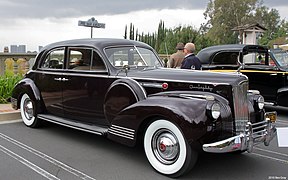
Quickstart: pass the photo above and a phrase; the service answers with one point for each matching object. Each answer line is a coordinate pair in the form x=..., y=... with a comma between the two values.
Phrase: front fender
x=189, y=113
x=26, y=85
x=282, y=96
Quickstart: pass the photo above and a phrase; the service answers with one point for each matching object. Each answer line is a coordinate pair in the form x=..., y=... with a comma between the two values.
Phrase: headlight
x=260, y=102
x=215, y=110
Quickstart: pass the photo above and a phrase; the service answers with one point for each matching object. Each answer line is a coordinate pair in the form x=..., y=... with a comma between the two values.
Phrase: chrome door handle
x=57, y=79
x=61, y=79
x=64, y=79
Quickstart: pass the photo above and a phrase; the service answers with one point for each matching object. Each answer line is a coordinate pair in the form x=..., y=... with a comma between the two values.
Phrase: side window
x=84, y=59
x=226, y=58
x=79, y=58
x=54, y=60
x=97, y=62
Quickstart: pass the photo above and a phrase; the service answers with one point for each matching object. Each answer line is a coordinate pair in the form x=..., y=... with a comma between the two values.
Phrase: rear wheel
x=28, y=111
x=167, y=150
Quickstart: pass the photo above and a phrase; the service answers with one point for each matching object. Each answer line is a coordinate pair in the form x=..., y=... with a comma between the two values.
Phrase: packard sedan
x=119, y=89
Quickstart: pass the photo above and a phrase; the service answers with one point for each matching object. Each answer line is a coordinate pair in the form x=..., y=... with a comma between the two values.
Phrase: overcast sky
x=37, y=23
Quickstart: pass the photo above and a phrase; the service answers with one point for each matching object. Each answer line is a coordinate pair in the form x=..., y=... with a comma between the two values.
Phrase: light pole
x=92, y=23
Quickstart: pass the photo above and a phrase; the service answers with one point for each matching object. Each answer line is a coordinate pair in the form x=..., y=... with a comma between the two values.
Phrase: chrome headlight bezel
x=260, y=102
x=213, y=110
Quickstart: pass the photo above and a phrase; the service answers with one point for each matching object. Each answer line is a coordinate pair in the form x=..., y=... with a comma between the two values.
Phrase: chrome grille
x=241, y=111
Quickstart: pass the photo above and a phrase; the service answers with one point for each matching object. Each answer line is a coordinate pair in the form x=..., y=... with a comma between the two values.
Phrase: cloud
x=275, y=3
x=34, y=22
x=75, y=8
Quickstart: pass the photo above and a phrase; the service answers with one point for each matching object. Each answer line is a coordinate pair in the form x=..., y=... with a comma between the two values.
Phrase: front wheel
x=27, y=108
x=167, y=150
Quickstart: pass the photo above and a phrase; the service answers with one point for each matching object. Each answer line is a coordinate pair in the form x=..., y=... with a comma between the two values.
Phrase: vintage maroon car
x=119, y=89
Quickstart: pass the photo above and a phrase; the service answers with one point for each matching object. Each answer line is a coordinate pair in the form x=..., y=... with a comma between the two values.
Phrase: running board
x=73, y=124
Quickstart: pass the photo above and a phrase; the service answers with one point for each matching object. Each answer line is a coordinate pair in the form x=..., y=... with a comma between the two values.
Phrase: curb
x=7, y=113
x=5, y=116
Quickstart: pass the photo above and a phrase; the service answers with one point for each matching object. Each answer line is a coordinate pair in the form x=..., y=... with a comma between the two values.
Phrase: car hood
x=183, y=75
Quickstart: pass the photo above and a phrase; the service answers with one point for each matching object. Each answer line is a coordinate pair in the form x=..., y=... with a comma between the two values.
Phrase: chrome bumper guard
x=261, y=132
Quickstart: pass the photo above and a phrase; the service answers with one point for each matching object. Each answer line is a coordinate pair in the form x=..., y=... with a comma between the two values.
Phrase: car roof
x=206, y=54
x=99, y=43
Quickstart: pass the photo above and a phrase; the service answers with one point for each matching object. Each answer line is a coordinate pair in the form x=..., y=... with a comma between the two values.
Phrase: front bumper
x=261, y=132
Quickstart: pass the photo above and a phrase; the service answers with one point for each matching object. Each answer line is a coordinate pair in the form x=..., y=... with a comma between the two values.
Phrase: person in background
x=190, y=60
x=177, y=58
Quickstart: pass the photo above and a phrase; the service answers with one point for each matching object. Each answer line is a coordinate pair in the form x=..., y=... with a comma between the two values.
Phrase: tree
x=125, y=33
x=166, y=39
x=160, y=36
x=224, y=15
x=131, y=34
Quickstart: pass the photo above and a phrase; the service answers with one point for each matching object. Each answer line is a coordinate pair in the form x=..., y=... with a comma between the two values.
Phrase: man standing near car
x=190, y=61
x=177, y=58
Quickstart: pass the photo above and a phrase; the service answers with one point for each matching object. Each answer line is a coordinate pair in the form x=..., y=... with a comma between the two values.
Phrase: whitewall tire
x=27, y=108
x=167, y=150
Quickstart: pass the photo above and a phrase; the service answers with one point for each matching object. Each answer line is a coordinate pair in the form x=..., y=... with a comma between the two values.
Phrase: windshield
x=281, y=57
x=132, y=56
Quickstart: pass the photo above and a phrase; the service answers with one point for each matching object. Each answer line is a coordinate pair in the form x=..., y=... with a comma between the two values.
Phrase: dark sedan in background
x=267, y=70
x=119, y=89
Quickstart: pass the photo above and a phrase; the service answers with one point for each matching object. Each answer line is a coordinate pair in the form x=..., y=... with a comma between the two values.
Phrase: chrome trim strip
x=70, y=126
x=141, y=87
x=169, y=80
x=121, y=135
x=66, y=72
x=122, y=132
x=120, y=127
x=152, y=85
x=191, y=96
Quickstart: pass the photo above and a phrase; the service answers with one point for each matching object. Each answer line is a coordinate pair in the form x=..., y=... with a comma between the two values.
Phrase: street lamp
x=92, y=23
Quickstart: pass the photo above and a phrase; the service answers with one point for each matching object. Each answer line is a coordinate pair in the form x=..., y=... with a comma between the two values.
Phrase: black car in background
x=265, y=69
x=119, y=89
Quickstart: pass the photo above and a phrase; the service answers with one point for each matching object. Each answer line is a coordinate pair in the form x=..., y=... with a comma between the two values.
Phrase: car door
x=85, y=84
x=48, y=79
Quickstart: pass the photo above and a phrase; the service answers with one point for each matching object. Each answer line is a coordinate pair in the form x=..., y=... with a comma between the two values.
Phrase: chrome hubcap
x=165, y=146
x=28, y=109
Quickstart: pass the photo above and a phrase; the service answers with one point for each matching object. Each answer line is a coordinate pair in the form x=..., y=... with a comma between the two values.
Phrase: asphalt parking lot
x=55, y=152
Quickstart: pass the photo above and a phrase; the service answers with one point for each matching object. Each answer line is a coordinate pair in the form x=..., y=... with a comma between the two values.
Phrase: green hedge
x=7, y=83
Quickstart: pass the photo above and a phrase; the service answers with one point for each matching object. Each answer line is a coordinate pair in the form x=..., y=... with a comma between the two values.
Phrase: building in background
x=6, y=49
x=249, y=33
x=18, y=48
